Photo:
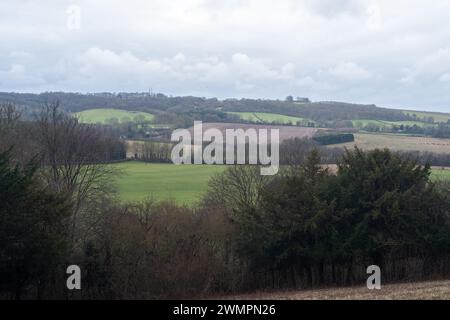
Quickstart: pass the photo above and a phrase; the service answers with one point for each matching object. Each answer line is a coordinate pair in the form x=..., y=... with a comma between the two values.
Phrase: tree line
x=205, y=109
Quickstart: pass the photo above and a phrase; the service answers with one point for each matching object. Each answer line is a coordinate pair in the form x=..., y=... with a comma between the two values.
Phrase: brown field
x=286, y=132
x=366, y=141
x=399, y=142
x=432, y=290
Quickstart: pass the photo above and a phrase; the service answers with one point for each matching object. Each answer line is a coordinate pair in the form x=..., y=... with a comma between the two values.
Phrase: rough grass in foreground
x=406, y=291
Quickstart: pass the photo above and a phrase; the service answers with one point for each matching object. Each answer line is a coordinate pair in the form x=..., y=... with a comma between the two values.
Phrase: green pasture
x=440, y=174
x=389, y=124
x=183, y=183
x=437, y=116
x=105, y=116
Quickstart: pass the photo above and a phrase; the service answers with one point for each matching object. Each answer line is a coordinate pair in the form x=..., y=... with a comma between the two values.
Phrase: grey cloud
x=392, y=53
x=332, y=8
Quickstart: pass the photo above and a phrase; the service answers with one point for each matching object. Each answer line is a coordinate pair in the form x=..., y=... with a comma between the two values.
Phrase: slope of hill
x=153, y=103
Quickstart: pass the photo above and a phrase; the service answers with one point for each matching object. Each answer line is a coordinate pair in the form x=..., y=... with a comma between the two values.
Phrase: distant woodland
x=211, y=109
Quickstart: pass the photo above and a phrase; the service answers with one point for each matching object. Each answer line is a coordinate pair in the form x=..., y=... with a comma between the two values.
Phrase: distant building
x=302, y=100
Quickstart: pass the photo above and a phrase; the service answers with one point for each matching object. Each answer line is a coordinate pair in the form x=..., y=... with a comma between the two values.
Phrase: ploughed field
x=184, y=183
x=286, y=132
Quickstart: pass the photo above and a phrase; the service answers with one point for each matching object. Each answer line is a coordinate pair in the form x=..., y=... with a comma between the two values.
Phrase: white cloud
x=445, y=77
x=333, y=8
x=306, y=82
x=374, y=51
x=239, y=71
x=430, y=67
x=349, y=71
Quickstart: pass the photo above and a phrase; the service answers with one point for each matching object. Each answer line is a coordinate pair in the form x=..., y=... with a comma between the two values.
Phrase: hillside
x=167, y=113
x=157, y=103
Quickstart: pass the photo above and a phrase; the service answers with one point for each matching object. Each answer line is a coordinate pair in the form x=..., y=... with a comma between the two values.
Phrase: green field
x=440, y=174
x=104, y=116
x=438, y=117
x=389, y=124
x=184, y=184
x=264, y=117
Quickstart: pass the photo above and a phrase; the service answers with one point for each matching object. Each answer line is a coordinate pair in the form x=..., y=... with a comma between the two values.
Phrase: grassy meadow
x=103, y=116
x=440, y=174
x=184, y=184
x=390, y=124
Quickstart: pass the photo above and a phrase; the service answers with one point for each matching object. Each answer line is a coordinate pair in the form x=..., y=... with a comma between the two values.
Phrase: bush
x=33, y=234
x=312, y=228
x=334, y=139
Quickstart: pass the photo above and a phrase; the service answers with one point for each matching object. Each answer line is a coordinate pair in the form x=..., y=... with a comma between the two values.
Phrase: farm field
x=440, y=173
x=390, y=124
x=103, y=116
x=438, y=116
x=184, y=184
x=399, y=142
x=263, y=117
x=286, y=132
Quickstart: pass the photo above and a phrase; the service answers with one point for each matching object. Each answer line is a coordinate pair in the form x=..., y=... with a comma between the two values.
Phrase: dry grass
x=433, y=290
x=399, y=142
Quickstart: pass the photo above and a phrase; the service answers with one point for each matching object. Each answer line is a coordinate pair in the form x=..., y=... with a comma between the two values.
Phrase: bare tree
x=9, y=118
x=74, y=157
x=238, y=188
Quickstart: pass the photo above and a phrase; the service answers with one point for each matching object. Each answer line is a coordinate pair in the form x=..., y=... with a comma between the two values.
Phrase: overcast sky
x=394, y=53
